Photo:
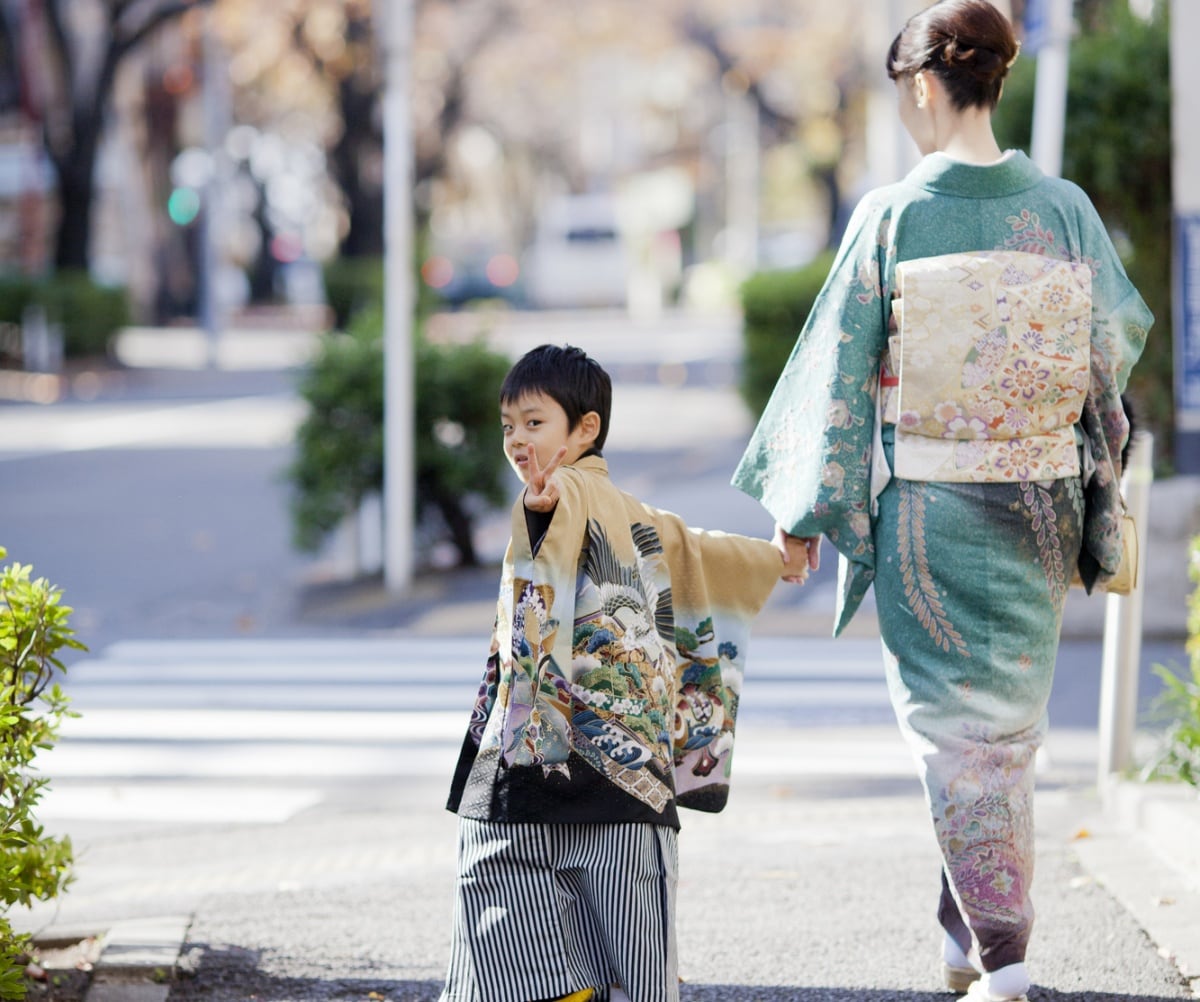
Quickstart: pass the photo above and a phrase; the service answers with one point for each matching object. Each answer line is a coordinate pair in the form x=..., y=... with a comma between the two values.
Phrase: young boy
x=607, y=703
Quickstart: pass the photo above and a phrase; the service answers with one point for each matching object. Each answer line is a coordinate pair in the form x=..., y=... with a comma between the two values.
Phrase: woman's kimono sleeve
x=809, y=459
x=1120, y=324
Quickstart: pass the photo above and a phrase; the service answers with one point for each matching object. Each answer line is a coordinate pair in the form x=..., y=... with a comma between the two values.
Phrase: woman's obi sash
x=989, y=371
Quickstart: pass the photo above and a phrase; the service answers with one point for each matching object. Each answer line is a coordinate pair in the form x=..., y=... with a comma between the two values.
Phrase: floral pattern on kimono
x=992, y=366
x=809, y=460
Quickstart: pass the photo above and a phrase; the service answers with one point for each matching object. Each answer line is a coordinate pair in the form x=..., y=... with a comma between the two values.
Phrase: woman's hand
x=804, y=551
x=541, y=492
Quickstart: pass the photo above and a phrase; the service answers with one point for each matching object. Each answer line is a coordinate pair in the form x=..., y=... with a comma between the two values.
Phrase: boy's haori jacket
x=616, y=664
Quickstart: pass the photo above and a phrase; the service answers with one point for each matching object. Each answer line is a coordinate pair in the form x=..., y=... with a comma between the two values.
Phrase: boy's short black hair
x=566, y=374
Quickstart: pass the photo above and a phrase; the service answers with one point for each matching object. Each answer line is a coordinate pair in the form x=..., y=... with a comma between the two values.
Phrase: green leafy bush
x=339, y=445
x=89, y=313
x=339, y=449
x=16, y=293
x=352, y=284
x=775, y=305
x=1179, y=753
x=36, y=866
x=1117, y=147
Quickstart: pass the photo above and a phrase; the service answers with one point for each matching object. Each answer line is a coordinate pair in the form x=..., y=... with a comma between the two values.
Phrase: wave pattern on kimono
x=612, y=689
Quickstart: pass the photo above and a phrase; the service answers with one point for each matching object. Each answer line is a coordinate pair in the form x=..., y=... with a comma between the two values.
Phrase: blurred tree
x=10, y=77
x=1118, y=149
x=350, y=68
x=516, y=99
x=86, y=41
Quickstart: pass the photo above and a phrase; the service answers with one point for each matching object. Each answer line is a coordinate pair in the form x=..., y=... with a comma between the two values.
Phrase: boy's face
x=539, y=420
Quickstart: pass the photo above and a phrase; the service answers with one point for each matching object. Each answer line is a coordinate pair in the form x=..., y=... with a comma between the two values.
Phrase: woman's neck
x=968, y=136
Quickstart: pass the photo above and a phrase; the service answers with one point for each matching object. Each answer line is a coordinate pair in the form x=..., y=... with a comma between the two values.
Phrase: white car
x=578, y=257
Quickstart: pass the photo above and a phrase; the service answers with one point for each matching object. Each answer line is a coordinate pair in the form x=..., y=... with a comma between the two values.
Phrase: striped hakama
x=545, y=910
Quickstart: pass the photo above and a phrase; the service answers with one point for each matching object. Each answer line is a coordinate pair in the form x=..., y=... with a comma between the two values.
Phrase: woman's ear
x=921, y=88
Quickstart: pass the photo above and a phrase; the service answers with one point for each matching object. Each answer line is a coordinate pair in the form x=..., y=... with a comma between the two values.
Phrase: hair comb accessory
x=1009, y=64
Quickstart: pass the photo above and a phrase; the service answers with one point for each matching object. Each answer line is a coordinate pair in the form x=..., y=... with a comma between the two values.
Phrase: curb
x=138, y=959
x=1160, y=886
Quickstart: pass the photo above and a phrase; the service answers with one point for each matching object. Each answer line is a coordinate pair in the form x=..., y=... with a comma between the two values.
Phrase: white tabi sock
x=1009, y=982
x=952, y=953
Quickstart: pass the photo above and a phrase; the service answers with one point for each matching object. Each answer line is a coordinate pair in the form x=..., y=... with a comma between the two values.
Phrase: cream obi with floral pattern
x=988, y=374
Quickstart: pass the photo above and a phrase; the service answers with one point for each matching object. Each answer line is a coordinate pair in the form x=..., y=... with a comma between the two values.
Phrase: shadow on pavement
x=228, y=973
x=231, y=973
x=780, y=993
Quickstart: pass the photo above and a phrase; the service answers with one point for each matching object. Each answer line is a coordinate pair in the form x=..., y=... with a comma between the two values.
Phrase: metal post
x=1185, y=194
x=398, y=464
x=216, y=125
x=741, y=179
x=1050, y=88
x=1121, y=661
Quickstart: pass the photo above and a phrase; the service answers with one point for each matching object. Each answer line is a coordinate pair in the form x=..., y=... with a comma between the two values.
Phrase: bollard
x=41, y=342
x=1121, y=660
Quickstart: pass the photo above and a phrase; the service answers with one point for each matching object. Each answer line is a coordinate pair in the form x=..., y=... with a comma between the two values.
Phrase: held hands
x=541, y=491
x=800, y=554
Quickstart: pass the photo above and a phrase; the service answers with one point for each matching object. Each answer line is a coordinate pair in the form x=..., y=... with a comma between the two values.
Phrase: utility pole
x=399, y=478
x=1048, y=35
x=1185, y=106
x=215, y=100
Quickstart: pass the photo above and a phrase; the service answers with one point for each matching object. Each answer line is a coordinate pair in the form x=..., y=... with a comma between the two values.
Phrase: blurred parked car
x=578, y=257
x=475, y=275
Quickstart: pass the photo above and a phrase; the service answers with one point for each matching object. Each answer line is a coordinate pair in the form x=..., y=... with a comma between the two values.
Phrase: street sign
x=1034, y=26
x=1187, y=326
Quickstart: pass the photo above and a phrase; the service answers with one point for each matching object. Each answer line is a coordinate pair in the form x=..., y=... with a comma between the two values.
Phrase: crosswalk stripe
x=312, y=712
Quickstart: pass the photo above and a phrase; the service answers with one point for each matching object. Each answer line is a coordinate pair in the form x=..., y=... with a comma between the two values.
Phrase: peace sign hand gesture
x=541, y=492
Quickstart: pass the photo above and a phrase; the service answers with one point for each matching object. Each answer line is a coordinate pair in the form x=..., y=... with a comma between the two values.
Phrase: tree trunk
x=76, y=186
x=359, y=141
x=459, y=524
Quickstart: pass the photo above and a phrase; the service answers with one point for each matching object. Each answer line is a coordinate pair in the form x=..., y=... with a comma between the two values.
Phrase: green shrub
x=775, y=305
x=89, y=313
x=459, y=457
x=1178, y=757
x=339, y=445
x=352, y=284
x=16, y=293
x=36, y=866
x=460, y=449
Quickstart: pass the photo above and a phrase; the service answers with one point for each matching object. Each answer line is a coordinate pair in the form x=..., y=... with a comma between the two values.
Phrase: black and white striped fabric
x=545, y=910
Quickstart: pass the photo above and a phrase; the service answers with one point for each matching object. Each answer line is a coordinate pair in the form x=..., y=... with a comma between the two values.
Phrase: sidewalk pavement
x=794, y=893
x=806, y=888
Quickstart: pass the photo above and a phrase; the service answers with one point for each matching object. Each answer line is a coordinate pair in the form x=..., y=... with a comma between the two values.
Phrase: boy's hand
x=541, y=492
x=800, y=554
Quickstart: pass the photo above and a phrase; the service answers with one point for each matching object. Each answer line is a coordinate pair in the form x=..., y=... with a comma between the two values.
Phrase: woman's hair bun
x=982, y=63
x=969, y=44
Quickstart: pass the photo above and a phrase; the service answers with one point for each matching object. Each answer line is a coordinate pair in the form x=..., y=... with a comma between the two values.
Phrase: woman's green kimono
x=951, y=419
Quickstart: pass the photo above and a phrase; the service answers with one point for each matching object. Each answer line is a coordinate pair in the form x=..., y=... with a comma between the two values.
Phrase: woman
x=951, y=419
